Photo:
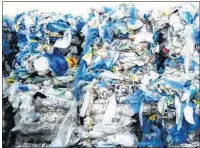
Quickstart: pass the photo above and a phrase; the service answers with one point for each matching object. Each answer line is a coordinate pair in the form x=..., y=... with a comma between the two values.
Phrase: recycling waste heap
x=123, y=77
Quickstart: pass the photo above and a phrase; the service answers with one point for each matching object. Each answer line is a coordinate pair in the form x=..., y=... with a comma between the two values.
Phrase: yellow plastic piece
x=164, y=89
x=132, y=78
x=164, y=14
x=153, y=117
x=165, y=117
x=17, y=24
x=196, y=101
x=16, y=27
x=87, y=55
x=31, y=41
x=10, y=81
x=52, y=34
x=114, y=69
x=170, y=102
x=72, y=62
x=45, y=47
x=89, y=122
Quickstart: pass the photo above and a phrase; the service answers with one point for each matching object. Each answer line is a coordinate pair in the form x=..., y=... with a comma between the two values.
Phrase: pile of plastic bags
x=38, y=78
x=136, y=85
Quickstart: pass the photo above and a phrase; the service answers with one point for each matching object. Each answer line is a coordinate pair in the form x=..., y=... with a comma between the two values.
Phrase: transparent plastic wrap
x=66, y=135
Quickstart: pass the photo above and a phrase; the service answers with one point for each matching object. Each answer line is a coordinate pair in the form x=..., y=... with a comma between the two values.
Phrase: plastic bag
x=135, y=100
x=64, y=42
x=57, y=63
x=123, y=139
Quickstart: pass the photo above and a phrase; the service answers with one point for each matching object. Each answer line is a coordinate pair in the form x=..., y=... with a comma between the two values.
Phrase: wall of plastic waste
x=123, y=77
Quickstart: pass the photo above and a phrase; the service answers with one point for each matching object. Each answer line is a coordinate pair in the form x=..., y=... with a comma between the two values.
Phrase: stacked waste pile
x=39, y=111
x=39, y=78
x=136, y=85
x=139, y=77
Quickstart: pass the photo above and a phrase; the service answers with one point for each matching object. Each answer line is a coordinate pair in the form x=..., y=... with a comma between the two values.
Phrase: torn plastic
x=136, y=83
x=157, y=91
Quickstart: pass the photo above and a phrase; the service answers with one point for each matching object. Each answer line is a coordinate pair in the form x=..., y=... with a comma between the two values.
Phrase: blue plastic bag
x=174, y=84
x=20, y=56
x=196, y=126
x=79, y=23
x=23, y=88
x=92, y=34
x=134, y=101
x=155, y=36
x=135, y=69
x=90, y=76
x=107, y=9
x=108, y=32
x=188, y=17
x=196, y=36
x=57, y=26
x=146, y=16
x=174, y=63
x=57, y=63
x=99, y=65
x=133, y=15
x=9, y=23
x=178, y=136
x=89, y=39
x=155, y=139
x=22, y=40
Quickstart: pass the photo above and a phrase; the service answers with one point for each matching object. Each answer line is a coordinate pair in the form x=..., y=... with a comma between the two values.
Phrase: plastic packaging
x=134, y=76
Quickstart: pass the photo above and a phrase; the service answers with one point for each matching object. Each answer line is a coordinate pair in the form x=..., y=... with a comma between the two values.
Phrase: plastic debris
x=123, y=77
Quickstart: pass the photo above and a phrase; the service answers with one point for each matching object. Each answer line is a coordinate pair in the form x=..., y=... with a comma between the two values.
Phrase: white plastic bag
x=110, y=111
x=123, y=139
x=41, y=68
x=87, y=99
x=65, y=41
x=188, y=114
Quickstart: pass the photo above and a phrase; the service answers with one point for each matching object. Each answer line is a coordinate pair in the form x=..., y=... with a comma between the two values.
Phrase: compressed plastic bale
x=148, y=96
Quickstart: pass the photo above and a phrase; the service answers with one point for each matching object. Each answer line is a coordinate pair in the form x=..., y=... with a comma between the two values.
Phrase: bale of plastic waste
x=147, y=61
x=40, y=55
